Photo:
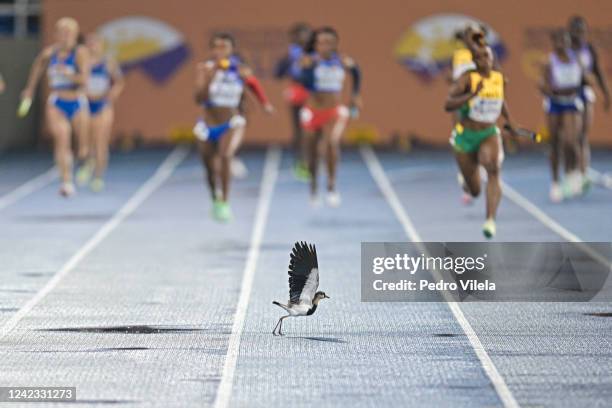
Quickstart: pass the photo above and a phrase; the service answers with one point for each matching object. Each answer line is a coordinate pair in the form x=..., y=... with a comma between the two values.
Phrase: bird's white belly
x=299, y=309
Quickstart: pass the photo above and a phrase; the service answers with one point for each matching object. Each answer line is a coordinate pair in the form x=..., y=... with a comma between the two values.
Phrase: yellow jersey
x=487, y=105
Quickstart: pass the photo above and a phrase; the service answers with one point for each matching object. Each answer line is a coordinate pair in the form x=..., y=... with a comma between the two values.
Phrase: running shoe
x=301, y=172
x=97, y=185
x=556, y=194
x=587, y=183
x=214, y=211
x=67, y=189
x=572, y=185
x=489, y=229
x=223, y=211
x=315, y=201
x=84, y=173
x=333, y=199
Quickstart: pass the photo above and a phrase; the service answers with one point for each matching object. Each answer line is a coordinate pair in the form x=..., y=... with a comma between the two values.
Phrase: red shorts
x=314, y=119
x=296, y=94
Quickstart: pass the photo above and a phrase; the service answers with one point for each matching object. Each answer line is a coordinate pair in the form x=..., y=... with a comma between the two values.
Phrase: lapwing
x=303, y=284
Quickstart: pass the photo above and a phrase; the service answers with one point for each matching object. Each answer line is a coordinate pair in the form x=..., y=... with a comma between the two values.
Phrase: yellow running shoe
x=84, y=173
x=489, y=228
x=97, y=185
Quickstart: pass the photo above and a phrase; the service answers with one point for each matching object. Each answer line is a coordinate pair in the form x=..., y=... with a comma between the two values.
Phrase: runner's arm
x=38, y=67
x=601, y=78
x=118, y=82
x=460, y=93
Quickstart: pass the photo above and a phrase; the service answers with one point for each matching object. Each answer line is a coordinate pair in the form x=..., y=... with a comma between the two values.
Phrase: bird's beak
x=327, y=297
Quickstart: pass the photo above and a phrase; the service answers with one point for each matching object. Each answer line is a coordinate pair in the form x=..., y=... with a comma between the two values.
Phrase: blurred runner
x=562, y=80
x=479, y=94
x=103, y=88
x=588, y=57
x=472, y=39
x=295, y=93
x=2, y=84
x=323, y=116
x=219, y=87
x=67, y=65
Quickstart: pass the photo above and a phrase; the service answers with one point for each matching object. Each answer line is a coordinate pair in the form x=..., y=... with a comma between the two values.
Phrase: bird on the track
x=303, y=284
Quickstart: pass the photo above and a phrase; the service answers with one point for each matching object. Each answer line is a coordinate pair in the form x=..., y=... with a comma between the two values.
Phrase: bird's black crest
x=303, y=261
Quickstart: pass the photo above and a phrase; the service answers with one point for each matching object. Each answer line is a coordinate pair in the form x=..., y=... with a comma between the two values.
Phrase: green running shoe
x=586, y=184
x=224, y=212
x=221, y=211
x=214, y=211
x=301, y=172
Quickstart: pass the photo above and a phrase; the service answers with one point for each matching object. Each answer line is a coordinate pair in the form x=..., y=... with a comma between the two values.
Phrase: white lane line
x=518, y=199
x=601, y=179
x=162, y=173
x=28, y=187
x=551, y=224
x=270, y=175
x=388, y=192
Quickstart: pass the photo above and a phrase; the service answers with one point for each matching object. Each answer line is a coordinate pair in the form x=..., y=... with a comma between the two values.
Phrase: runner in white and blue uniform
x=220, y=85
x=67, y=65
x=561, y=84
x=589, y=59
x=104, y=87
x=324, y=117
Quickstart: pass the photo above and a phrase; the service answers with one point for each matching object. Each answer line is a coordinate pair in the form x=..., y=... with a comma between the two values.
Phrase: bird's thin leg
x=277, y=323
x=280, y=332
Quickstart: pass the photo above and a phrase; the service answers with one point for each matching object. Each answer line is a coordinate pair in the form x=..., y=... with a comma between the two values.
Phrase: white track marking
x=520, y=200
x=601, y=179
x=28, y=187
x=388, y=192
x=161, y=175
x=270, y=174
x=535, y=211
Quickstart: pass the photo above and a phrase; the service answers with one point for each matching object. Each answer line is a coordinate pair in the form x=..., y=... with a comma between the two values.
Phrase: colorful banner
x=397, y=45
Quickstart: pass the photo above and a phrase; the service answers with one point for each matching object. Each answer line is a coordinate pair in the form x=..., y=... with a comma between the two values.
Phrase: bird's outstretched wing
x=303, y=273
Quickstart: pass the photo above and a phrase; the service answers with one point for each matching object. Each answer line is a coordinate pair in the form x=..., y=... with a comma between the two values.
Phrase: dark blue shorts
x=213, y=133
x=96, y=107
x=69, y=107
x=554, y=106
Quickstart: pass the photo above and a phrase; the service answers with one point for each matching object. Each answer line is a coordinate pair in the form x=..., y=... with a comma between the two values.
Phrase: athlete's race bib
x=225, y=89
x=329, y=78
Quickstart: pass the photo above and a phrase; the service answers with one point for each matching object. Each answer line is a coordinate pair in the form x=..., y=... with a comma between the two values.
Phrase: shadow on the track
x=143, y=329
x=48, y=218
x=327, y=339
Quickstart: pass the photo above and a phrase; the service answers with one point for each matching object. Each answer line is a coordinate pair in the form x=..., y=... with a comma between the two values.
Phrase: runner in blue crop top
x=67, y=65
x=219, y=89
x=103, y=88
x=589, y=58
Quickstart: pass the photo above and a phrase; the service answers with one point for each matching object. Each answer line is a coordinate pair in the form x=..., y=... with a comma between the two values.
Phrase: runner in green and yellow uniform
x=479, y=97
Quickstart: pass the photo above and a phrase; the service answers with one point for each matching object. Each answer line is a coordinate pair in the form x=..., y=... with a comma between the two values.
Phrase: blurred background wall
x=397, y=43
x=17, y=55
x=19, y=44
